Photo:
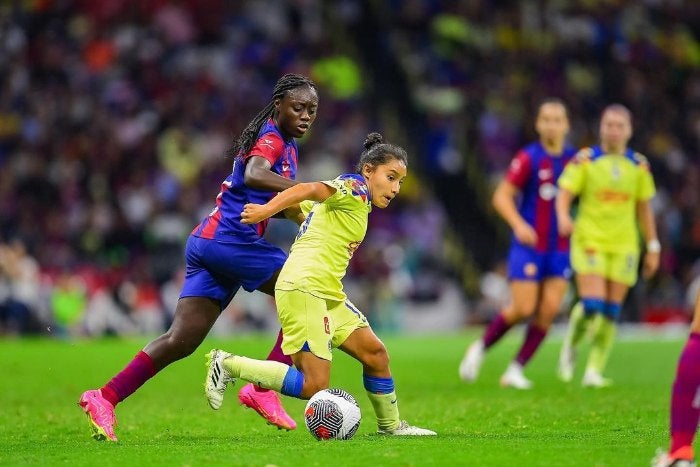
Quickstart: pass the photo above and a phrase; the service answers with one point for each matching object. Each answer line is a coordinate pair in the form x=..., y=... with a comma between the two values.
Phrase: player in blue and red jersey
x=223, y=255
x=538, y=262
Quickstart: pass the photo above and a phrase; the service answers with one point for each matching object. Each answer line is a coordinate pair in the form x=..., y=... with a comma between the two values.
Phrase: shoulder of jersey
x=355, y=183
x=640, y=159
x=583, y=156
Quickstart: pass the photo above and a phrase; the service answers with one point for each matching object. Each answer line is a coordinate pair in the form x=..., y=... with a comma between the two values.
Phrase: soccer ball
x=332, y=414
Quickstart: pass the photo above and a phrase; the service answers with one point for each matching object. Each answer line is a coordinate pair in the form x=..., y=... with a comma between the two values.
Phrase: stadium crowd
x=478, y=69
x=115, y=115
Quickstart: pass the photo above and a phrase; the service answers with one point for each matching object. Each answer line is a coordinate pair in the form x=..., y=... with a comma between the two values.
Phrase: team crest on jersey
x=616, y=172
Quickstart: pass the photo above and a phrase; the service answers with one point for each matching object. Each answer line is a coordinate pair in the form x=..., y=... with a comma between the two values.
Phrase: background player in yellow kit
x=313, y=309
x=614, y=187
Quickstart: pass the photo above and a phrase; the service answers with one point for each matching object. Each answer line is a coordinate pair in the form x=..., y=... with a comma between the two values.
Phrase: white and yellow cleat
x=217, y=379
x=471, y=363
x=567, y=360
x=593, y=379
x=515, y=378
x=404, y=429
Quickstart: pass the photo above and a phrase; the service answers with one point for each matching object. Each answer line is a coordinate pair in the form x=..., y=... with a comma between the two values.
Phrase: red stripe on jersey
x=519, y=169
x=211, y=223
x=270, y=146
x=543, y=207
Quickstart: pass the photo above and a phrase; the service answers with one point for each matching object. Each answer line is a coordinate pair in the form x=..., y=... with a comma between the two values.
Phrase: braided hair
x=245, y=141
x=377, y=152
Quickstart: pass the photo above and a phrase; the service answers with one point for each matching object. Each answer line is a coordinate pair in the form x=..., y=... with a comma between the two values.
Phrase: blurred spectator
x=20, y=306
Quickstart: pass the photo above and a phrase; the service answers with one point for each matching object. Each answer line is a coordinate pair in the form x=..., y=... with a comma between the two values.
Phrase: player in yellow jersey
x=614, y=186
x=315, y=314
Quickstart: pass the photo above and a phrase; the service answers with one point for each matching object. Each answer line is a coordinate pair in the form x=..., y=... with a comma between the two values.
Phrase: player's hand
x=525, y=234
x=651, y=264
x=253, y=213
x=565, y=225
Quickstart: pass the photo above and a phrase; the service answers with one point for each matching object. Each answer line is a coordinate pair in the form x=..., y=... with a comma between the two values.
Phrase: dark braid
x=245, y=141
x=377, y=153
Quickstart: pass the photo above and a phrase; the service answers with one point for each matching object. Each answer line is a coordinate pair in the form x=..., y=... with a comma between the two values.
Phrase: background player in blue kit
x=222, y=255
x=538, y=262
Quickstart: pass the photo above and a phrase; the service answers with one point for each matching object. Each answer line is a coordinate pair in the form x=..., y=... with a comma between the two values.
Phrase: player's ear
x=367, y=168
x=277, y=103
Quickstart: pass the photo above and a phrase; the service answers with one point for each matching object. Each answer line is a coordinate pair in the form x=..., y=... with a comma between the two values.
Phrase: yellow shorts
x=617, y=267
x=315, y=323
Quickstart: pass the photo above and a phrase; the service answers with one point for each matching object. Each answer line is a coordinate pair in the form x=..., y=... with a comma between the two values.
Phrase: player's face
x=296, y=111
x=615, y=130
x=552, y=123
x=384, y=181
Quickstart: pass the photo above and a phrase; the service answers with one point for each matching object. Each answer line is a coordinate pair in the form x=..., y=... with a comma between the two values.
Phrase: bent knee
x=180, y=344
x=520, y=313
x=376, y=358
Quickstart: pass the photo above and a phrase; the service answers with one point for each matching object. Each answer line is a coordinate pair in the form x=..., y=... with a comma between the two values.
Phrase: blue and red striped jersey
x=535, y=173
x=224, y=221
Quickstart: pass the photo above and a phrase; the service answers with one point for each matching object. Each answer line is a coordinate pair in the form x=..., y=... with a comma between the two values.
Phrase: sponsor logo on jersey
x=547, y=191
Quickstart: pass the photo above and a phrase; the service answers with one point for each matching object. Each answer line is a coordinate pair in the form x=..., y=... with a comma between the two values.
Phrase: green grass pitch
x=168, y=421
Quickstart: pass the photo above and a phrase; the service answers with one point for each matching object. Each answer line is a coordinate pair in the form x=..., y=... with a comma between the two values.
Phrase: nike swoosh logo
x=394, y=401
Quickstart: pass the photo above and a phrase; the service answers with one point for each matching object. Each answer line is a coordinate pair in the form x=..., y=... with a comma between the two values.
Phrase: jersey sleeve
x=350, y=192
x=519, y=169
x=306, y=207
x=572, y=177
x=646, y=189
x=270, y=146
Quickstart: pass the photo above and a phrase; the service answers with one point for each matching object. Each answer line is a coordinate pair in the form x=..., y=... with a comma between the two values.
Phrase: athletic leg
x=685, y=399
x=592, y=290
x=194, y=317
x=603, y=337
x=265, y=401
x=524, y=298
x=363, y=345
x=552, y=292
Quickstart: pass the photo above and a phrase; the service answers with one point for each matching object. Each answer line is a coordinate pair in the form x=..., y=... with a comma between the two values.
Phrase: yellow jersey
x=609, y=187
x=328, y=237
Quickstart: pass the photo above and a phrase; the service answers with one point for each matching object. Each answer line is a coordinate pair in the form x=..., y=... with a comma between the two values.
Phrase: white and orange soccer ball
x=332, y=414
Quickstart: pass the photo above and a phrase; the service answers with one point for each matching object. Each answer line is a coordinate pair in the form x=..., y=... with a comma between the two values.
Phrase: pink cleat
x=100, y=413
x=267, y=404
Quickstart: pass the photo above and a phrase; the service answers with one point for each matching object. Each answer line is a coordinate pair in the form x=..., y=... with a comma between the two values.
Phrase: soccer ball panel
x=332, y=414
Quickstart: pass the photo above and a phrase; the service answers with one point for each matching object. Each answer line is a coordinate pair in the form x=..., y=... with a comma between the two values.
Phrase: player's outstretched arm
x=314, y=191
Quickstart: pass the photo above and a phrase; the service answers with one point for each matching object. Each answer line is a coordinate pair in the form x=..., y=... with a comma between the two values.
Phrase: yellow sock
x=578, y=325
x=264, y=373
x=603, y=340
x=386, y=409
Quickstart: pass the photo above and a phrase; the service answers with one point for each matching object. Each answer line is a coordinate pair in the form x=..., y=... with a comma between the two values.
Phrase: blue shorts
x=527, y=264
x=217, y=269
